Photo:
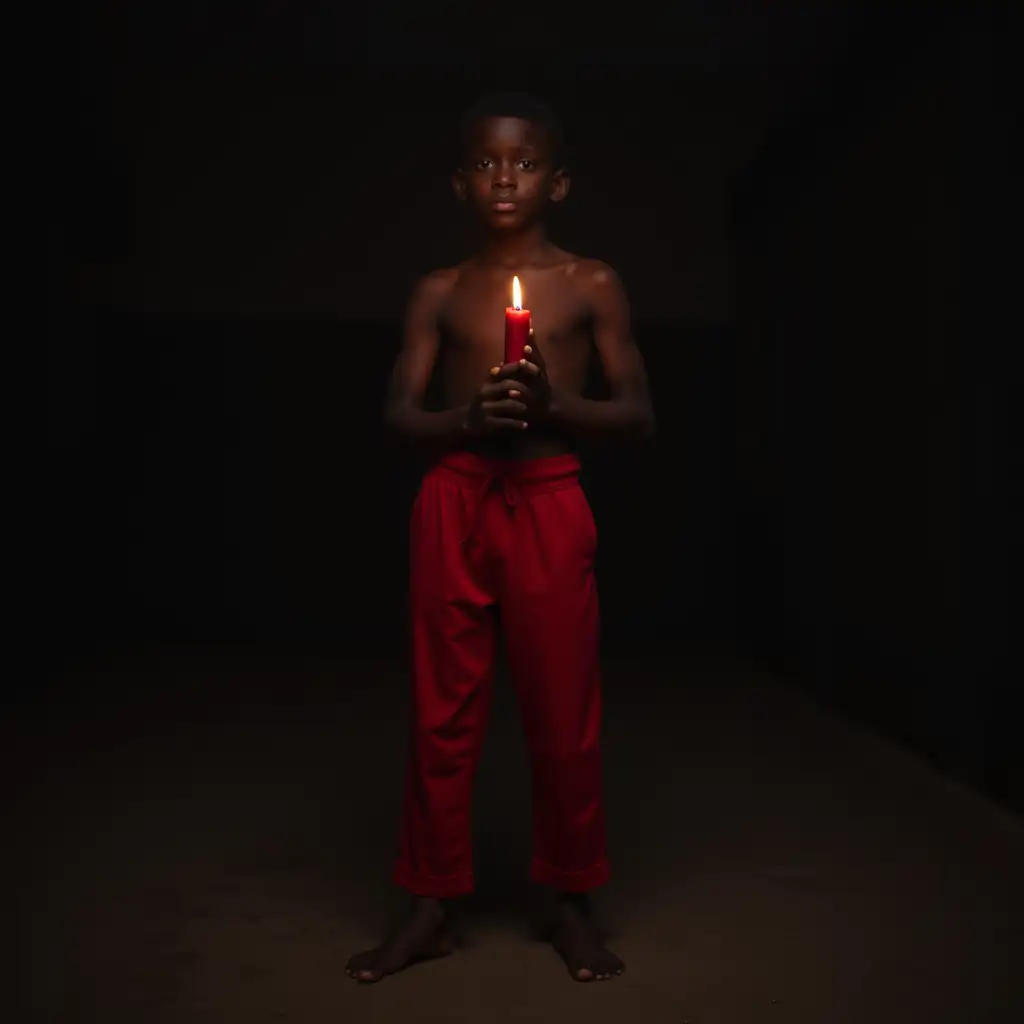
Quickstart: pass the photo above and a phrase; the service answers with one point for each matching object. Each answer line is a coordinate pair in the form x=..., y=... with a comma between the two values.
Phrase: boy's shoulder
x=597, y=272
x=441, y=279
x=431, y=291
x=593, y=278
x=584, y=269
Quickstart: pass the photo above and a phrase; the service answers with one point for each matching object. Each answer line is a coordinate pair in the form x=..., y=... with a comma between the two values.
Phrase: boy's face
x=507, y=175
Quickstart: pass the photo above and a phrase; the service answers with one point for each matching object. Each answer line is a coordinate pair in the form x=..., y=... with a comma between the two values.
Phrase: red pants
x=519, y=536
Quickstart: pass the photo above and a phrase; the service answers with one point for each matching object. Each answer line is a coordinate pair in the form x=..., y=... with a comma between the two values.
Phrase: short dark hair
x=515, y=104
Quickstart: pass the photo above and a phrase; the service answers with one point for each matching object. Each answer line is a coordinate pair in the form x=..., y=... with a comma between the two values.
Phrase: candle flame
x=517, y=294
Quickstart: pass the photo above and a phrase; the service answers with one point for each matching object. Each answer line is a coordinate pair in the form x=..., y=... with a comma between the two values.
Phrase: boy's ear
x=459, y=185
x=560, y=182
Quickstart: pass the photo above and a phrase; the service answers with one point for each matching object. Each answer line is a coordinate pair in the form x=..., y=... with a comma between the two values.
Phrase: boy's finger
x=505, y=407
x=506, y=370
x=507, y=386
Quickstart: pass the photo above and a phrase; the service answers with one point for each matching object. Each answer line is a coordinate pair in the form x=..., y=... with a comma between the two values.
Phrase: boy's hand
x=501, y=403
x=533, y=372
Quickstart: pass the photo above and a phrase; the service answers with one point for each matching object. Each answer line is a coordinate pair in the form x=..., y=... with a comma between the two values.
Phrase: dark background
x=806, y=202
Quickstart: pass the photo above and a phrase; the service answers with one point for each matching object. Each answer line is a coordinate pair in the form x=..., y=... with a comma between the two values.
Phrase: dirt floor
x=209, y=838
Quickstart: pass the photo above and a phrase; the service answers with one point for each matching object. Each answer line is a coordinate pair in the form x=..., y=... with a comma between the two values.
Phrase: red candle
x=517, y=326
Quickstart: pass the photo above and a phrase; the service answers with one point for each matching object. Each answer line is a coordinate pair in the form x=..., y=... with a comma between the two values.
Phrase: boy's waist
x=528, y=476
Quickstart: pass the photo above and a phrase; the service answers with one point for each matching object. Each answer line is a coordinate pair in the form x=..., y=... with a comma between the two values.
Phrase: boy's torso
x=473, y=339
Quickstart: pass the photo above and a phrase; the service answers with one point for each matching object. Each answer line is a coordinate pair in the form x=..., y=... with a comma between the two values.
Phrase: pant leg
x=551, y=622
x=453, y=648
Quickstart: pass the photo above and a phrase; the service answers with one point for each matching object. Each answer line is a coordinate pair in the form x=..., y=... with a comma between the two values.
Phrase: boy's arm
x=410, y=377
x=628, y=412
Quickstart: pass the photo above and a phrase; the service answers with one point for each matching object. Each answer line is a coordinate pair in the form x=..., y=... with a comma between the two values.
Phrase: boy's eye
x=483, y=163
x=527, y=165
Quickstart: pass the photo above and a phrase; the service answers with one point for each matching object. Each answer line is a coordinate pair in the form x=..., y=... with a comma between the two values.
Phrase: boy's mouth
x=503, y=207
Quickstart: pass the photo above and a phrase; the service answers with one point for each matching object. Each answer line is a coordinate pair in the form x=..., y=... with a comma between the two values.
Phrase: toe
x=612, y=966
x=584, y=974
x=363, y=967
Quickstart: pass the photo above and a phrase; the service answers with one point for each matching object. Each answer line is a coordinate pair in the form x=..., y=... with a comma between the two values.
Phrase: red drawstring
x=508, y=492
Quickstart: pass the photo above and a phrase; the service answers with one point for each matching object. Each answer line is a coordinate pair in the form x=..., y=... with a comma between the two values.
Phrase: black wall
x=873, y=361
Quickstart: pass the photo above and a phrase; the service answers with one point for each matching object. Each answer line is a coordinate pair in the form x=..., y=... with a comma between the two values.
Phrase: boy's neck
x=517, y=249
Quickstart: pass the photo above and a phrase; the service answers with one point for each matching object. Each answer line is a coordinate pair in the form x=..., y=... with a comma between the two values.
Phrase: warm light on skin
x=517, y=295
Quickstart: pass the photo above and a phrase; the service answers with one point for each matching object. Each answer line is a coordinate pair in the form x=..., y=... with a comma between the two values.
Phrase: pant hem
x=441, y=887
x=570, y=881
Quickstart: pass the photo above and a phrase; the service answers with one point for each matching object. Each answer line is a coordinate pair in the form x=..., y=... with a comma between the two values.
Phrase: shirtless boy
x=500, y=524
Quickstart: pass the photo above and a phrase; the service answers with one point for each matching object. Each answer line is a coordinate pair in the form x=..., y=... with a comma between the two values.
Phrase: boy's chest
x=474, y=319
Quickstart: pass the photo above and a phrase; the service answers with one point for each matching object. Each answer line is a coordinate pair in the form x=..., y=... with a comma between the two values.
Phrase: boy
x=501, y=521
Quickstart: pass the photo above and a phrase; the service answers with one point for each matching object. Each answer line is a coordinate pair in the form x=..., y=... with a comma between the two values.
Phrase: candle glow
x=517, y=295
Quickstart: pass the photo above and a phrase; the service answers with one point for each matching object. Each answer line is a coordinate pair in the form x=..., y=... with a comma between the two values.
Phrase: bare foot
x=420, y=935
x=577, y=942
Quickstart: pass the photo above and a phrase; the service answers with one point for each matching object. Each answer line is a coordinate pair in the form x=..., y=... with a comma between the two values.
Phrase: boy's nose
x=503, y=178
